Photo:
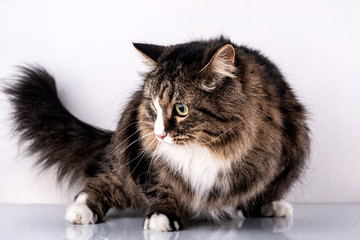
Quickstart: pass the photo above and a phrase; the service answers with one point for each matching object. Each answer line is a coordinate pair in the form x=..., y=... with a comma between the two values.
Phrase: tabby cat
x=214, y=132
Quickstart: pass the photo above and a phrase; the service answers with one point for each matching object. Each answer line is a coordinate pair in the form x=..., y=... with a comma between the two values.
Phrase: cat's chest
x=196, y=164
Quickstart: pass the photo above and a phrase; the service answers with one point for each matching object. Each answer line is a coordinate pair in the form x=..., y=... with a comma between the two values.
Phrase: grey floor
x=333, y=221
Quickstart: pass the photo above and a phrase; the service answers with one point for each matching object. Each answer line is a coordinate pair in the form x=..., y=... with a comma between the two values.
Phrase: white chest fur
x=195, y=163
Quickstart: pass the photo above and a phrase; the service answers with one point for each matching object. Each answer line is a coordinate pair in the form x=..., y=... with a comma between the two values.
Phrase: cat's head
x=192, y=92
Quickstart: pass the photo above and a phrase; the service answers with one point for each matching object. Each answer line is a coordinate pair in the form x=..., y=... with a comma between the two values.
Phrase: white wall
x=87, y=46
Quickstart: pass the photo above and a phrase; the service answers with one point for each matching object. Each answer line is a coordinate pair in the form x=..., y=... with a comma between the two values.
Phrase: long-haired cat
x=213, y=132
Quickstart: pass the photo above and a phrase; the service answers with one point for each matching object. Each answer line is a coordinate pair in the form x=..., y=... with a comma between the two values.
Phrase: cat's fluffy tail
x=74, y=147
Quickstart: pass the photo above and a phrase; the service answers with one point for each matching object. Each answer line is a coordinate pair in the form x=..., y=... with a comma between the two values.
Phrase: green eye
x=182, y=109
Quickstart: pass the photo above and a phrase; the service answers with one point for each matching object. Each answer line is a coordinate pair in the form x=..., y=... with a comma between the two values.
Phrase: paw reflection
x=80, y=232
x=276, y=225
x=152, y=235
x=240, y=223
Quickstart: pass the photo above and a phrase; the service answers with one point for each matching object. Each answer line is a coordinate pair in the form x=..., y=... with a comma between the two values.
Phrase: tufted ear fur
x=220, y=66
x=150, y=52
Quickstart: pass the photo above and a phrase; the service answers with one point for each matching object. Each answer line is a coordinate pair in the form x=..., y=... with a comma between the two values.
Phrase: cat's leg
x=98, y=196
x=278, y=208
x=163, y=213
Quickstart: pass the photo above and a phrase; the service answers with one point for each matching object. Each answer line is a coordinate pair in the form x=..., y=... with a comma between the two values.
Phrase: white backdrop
x=87, y=46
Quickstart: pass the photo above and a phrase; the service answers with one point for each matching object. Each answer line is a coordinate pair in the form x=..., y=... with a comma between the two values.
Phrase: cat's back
x=279, y=114
x=264, y=85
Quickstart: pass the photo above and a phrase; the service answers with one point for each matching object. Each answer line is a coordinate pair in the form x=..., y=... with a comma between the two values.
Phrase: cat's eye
x=182, y=109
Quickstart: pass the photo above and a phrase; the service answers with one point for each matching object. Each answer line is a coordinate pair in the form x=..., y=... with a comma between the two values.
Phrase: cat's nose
x=161, y=137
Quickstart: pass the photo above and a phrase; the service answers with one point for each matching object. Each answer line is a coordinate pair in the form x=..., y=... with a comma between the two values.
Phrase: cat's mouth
x=178, y=139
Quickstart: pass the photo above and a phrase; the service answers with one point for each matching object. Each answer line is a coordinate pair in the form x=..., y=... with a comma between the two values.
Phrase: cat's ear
x=220, y=66
x=150, y=52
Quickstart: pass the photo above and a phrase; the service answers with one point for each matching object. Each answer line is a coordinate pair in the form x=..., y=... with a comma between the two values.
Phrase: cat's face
x=174, y=110
x=187, y=101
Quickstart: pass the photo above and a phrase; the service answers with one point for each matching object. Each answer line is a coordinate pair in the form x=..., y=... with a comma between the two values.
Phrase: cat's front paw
x=161, y=223
x=277, y=209
x=80, y=213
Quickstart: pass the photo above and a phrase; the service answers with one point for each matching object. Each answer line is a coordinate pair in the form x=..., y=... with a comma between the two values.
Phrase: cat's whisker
x=138, y=130
x=212, y=190
x=122, y=130
x=202, y=143
x=138, y=139
x=142, y=153
x=133, y=142
x=229, y=129
x=140, y=159
x=119, y=145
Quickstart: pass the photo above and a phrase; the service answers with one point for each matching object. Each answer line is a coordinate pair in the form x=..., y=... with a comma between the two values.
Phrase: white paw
x=160, y=223
x=277, y=209
x=240, y=214
x=79, y=212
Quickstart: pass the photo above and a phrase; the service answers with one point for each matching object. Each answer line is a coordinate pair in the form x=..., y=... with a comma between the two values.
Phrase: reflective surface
x=315, y=221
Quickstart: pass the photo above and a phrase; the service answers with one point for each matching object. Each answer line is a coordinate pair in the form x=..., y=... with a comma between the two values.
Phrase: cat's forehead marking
x=159, y=128
x=157, y=105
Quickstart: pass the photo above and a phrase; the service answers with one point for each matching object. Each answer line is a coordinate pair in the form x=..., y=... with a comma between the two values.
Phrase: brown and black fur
x=248, y=118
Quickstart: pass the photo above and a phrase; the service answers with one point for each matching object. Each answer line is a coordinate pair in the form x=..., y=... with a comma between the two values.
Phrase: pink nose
x=161, y=136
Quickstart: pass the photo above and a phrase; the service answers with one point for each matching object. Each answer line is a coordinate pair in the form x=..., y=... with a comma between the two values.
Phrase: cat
x=214, y=132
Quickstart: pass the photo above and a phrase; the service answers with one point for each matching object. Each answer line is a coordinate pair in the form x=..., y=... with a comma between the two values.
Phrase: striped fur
x=242, y=145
